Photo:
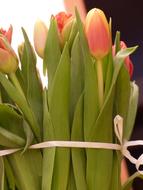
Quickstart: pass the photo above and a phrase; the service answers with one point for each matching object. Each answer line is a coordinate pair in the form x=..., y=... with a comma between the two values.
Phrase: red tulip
x=128, y=62
x=8, y=58
x=65, y=23
x=98, y=33
x=7, y=34
x=62, y=18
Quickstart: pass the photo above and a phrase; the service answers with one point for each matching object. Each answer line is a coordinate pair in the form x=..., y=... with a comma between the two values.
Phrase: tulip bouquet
x=89, y=83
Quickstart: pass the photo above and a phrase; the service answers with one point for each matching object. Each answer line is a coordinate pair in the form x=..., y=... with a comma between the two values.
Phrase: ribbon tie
x=118, y=128
x=123, y=146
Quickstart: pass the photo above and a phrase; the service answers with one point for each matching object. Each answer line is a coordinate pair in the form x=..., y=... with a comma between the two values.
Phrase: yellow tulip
x=40, y=37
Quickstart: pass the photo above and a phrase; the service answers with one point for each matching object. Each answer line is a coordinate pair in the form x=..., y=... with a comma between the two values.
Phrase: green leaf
x=49, y=153
x=77, y=80
x=9, y=175
x=117, y=42
x=4, y=96
x=23, y=165
x=27, y=169
x=52, y=52
x=10, y=140
x=91, y=104
x=20, y=75
x=71, y=181
x=32, y=80
x=78, y=155
x=5, y=185
x=123, y=53
x=102, y=131
x=122, y=94
x=29, y=135
x=11, y=121
x=77, y=74
x=58, y=99
x=116, y=171
x=13, y=130
x=109, y=73
x=1, y=174
x=72, y=34
x=22, y=104
x=133, y=102
x=81, y=32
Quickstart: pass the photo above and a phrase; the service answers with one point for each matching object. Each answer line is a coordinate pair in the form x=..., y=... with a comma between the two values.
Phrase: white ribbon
x=123, y=146
x=118, y=127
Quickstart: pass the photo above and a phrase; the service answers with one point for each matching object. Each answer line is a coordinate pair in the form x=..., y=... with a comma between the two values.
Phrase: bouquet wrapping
x=89, y=83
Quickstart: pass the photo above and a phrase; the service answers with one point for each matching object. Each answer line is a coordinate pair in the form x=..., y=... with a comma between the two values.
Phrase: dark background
x=127, y=17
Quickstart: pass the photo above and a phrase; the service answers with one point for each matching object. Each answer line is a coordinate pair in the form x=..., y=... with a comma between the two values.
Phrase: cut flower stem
x=100, y=82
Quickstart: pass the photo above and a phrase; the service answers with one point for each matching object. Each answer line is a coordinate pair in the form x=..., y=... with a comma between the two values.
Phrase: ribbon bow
x=118, y=128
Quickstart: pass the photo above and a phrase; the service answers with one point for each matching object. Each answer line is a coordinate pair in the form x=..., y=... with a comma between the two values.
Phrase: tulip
x=98, y=36
x=8, y=58
x=98, y=33
x=128, y=62
x=40, y=37
x=65, y=33
x=62, y=19
x=7, y=34
x=65, y=23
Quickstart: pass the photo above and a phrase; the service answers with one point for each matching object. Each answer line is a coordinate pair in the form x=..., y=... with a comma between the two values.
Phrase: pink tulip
x=40, y=37
x=97, y=33
x=8, y=58
x=128, y=62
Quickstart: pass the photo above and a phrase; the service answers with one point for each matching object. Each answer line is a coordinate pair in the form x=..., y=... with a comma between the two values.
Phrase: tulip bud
x=128, y=62
x=65, y=23
x=61, y=19
x=98, y=33
x=8, y=58
x=40, y=37
x=65, y=33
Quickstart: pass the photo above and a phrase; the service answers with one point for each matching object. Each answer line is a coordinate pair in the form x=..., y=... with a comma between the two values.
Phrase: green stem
x=100, y=82
x=14, y=80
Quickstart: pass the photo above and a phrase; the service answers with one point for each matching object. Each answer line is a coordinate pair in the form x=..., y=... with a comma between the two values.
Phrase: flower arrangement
x=89, y=83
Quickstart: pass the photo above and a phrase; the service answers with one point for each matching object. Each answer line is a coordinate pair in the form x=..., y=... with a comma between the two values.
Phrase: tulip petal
x=4, y=55
x=62, y=18
x=40, y=37
x=98, y=33
x=4, y=59
x=8, y=62
x=8, y=35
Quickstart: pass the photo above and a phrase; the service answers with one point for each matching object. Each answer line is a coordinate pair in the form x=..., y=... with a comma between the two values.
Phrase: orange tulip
x=98, y=33
x=40, y=37
x=128, y=62
x=8, y=58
